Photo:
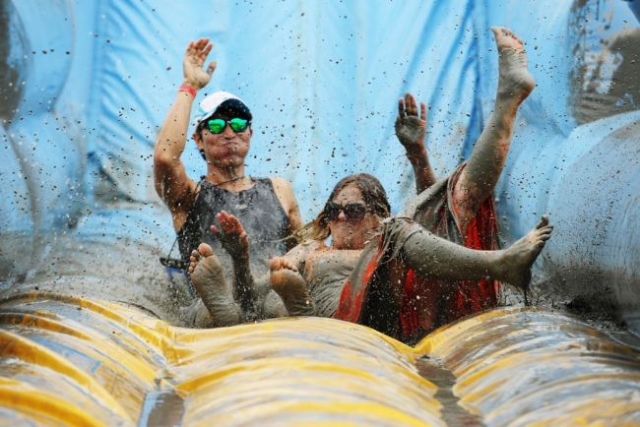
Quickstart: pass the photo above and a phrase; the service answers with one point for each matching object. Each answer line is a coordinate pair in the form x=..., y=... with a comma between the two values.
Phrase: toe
x=205, y=250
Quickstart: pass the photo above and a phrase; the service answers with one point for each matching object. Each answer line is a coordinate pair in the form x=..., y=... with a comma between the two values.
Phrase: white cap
x=210, y=105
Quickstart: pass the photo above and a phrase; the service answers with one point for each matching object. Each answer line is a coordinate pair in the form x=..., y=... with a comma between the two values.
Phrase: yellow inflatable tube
x=73, y=361
x=70, y=361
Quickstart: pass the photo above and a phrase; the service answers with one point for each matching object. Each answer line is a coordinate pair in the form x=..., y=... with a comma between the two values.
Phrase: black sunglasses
x=352, y=211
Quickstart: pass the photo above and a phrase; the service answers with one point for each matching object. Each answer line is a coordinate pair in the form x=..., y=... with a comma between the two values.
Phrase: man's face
x=225, y=149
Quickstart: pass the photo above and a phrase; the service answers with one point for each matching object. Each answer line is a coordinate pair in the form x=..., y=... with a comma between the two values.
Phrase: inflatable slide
x=92, y=330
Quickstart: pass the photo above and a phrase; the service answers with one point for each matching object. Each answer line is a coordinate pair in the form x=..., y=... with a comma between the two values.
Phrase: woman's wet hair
x=375, y=199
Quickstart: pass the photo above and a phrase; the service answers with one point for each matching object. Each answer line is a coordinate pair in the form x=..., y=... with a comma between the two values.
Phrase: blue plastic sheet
x=86, y=86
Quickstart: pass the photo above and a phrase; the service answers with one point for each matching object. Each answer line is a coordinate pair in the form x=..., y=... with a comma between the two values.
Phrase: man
x=460, y=207
x=265, y=207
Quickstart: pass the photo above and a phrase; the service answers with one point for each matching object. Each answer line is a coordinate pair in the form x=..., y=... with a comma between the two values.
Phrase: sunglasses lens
x=239, y=125
x=216, y=126
x=331, y=211
x=354, y=211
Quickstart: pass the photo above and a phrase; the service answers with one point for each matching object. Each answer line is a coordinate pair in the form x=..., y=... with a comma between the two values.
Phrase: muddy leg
x=208, y=279
x=489, y=155
x=291, y=287
x=432, y=256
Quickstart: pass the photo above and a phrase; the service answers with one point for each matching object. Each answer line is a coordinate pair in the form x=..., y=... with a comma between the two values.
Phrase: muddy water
x=166, y=408
x=162, y=409
x=452, y=413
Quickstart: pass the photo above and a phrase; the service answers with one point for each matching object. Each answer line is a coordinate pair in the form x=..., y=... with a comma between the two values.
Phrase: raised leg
x=515, y=83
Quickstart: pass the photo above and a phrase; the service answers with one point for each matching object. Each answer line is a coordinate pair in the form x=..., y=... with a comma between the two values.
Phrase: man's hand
x=193, y=64
x=232, y=235
x=411, y=127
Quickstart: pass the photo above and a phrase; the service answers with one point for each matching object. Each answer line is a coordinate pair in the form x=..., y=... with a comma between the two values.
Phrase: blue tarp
x=86, y=85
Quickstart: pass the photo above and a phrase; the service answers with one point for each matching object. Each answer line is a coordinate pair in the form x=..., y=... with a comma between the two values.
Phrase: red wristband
x=188, y=89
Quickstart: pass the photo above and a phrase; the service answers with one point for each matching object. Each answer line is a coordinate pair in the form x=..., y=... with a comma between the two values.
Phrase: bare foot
x=291, y=287
x=207, y=277
x=515, y=81
x=519, y=257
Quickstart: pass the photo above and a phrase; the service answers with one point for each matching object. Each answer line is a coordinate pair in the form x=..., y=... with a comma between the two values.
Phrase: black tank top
x=259, y=211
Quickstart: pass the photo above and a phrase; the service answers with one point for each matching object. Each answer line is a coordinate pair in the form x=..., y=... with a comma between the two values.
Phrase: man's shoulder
x=276, y=182
x=261, y=179
x=274, y=179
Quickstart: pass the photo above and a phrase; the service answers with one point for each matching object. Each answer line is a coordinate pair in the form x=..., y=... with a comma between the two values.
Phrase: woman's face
x=349, y=228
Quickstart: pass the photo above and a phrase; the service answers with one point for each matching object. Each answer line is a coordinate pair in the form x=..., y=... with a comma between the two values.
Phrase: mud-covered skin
x=259, y=211
x=478, y=180
x=355, y=277
x=206, y=275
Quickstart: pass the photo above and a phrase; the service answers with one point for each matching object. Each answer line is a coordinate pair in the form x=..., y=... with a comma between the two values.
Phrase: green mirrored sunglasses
x=217, y=126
